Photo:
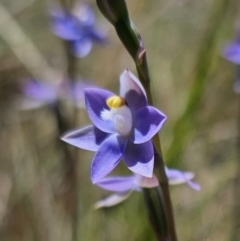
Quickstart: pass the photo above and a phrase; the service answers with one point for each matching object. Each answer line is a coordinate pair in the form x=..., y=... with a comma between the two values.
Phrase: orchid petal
x=122, y=184
x=98, y=36
x=232, y=52
x=194, y=185
x=177, y=177
x=40, y=91
x=76, y=92
x=82, y=47
x=88, y=138
x=64, y=25
x=84, y=14
x=147, y=122
x=117, y=184
x=112, y=200
x=107, y=157
x=146, y=182
x=132, y=91
x=95, y=100
x=139, y=158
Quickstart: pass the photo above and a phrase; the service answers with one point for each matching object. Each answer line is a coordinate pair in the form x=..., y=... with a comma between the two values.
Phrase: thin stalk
x=156, y=212
x=62, y=127
x=235, y=230
x=74, y=165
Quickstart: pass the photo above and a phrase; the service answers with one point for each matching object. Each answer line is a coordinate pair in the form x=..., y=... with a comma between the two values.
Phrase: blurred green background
x=191, y=84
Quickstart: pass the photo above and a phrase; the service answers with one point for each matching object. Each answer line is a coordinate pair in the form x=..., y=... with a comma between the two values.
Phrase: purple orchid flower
x=43, y=93
x=122, y=128
x=124, y=186
x=77, y=27
x=231, y=52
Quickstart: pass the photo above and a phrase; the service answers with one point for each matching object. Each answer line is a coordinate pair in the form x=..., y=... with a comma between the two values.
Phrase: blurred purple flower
x=122, y=128
x=77, y=27
x=231, y=52
x=43, y=93
x=123, y=186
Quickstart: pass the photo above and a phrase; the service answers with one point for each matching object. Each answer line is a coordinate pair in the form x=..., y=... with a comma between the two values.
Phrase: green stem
x=156, y=213
x=235, y=230
x=73, y=164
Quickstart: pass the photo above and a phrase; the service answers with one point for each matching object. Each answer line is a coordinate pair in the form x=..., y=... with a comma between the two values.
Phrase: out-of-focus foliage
x=36, y=198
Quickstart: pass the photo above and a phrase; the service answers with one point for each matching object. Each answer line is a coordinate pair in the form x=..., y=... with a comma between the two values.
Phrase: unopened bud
x=113, y=10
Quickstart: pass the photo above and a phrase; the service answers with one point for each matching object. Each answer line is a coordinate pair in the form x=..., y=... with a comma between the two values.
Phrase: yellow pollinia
x=115, y=102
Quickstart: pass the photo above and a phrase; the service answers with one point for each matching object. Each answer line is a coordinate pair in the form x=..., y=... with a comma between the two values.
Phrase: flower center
x=119, y=114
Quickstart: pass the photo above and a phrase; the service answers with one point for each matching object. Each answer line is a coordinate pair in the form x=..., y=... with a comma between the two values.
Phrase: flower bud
x=113, y=10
